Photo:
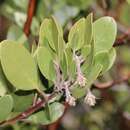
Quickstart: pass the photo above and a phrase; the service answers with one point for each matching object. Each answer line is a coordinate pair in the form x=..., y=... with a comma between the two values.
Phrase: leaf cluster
x=88, y=52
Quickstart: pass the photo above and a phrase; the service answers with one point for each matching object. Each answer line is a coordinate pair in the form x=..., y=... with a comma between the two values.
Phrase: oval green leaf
x=3, y=83
x=45, y=63
x=103, y=59
x=6, y=106
x=47, y=32
x=18, y=66
x=105, y=30
x=22, y=102
x=88, y=29
x=112, y=57
x=50, y=29
x=76, y=35
x=106, y=59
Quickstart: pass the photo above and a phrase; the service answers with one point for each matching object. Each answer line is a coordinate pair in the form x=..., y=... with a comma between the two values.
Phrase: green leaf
x=112, y=57
x=59, y=28
x=48, y=111
x=76, y=35
x=47, y=32
x=89, y=56
x=78, y=91
x=34, y=52
x=88, y=29
x=56, y=111
x=6, y=105
x=50, y=29
x=3, y=83
x=47, y=46
x=22, y=102
x=61, y=47
x=105, y=30
x=93, y=73
x=106, y=59
x=103, y=59
x=71, y=66
x=45, y=63
x=5, y=86
x=41, y=85
x=81, y=33
x=67, y=64
x=85, y=51
x=63, y=65
x=18, y=66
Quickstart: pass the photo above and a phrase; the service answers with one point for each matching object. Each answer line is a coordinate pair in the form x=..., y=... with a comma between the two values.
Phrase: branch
x=121, y=40
x=112, y=83
x=30, y=14
x=27, y=112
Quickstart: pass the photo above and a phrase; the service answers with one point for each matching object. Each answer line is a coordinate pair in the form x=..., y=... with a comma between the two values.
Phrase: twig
x=112, y=83
x=35, y=99
x=30, y=14
x=27, y=112
x=121, y=40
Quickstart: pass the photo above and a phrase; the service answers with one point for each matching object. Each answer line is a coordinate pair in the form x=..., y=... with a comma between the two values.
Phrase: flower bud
x=90, y=99
x=81, y=80
x=69, y=99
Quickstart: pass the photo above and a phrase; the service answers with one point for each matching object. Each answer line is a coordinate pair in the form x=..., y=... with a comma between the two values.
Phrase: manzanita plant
x=35, y=85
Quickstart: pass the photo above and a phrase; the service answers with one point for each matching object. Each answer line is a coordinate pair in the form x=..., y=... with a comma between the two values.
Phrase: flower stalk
x=81, y=80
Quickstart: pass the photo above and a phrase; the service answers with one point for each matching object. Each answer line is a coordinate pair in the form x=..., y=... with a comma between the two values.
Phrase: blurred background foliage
x=112, y=111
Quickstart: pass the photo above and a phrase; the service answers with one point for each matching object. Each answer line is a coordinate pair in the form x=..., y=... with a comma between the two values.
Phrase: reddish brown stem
x=27, y=112
x=111, y=83
x=30, y=14
x=121, y=40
